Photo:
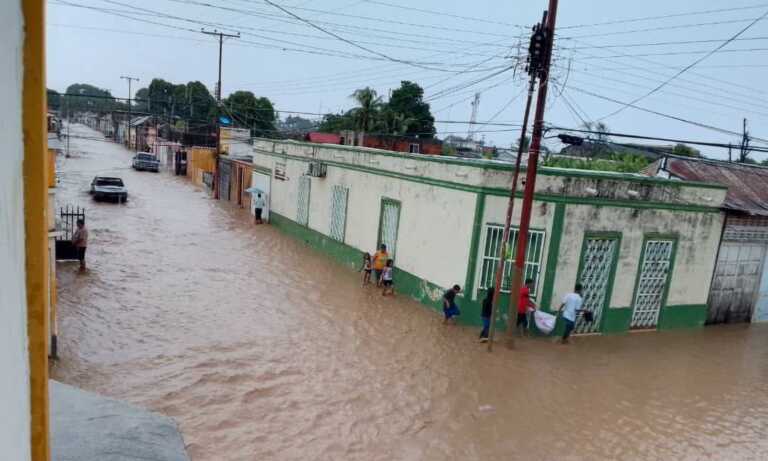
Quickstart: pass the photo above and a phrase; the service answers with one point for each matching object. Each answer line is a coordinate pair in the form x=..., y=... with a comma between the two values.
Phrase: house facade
x=739, y=290
x=643, y=247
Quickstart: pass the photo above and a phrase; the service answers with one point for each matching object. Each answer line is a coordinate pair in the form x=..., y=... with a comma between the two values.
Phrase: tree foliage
x=405, y=113
x=626, y=163
x=81, y=97
x=686, y=151
x=296, y=124
x=54, y=99
x=248, y=111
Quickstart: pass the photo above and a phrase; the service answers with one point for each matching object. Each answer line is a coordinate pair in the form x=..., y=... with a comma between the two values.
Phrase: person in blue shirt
x=572, y=304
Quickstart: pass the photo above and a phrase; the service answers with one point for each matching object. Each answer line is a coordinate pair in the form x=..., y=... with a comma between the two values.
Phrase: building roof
x=324, y=138
x=747, y=184
x=136, y=121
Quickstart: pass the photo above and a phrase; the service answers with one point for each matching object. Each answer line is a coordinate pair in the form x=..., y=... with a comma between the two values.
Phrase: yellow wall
x=35, y=220
x=51, y=167
x=199, y=160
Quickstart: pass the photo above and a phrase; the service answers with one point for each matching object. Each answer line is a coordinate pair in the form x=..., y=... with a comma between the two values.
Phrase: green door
x=389, y=220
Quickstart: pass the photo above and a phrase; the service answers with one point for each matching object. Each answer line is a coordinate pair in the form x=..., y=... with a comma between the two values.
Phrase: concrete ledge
x=88, y=427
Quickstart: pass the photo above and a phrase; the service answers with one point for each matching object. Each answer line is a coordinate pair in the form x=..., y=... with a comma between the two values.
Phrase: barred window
x=338, y=214
x=490, y=259
x=302, y=209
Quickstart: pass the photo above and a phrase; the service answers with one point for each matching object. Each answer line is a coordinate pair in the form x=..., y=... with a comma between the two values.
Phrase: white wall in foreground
x=14, y=362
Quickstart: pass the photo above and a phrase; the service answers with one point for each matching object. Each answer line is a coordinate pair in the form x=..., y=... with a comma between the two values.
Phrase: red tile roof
x=324, y=138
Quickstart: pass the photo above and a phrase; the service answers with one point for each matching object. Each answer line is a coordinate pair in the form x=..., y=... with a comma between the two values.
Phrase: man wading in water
x=80, y=242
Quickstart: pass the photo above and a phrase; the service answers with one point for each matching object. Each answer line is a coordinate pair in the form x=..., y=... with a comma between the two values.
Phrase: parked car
x=106, y=188
x=143, y=161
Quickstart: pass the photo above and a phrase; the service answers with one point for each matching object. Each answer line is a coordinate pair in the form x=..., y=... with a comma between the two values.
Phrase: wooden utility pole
x=130, y=79
x=221, y=36
x=540, y=56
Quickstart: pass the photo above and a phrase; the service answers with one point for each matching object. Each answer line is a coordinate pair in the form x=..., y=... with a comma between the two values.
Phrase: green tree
x=334, y=123
x=526, y=144
x=248, y=111
x=296, y=124
x=686, y=151
x=408, y=101
x=84, y=97
x=367, y=112
x=54, y=99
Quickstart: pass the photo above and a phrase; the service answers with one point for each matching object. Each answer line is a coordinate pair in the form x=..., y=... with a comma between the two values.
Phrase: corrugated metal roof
x=747, y=184
x=139, y=120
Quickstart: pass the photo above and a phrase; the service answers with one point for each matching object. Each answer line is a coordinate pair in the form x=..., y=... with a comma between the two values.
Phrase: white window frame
x=532, y=267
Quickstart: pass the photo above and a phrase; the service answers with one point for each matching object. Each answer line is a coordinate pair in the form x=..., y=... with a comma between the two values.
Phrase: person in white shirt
x=572, y=304
x=258, y=207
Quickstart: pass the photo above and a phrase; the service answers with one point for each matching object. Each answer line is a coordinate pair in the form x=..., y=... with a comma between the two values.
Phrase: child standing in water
x=366, y=269
x=387, y=279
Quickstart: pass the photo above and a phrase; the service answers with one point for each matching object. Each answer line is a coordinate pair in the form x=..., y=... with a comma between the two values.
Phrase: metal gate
x=338, y=212
x=736, y=281
x=655, y=267
x=388, y=223
x=302, y=207
x=596, y=276
x=67, y=226
x=225, y=173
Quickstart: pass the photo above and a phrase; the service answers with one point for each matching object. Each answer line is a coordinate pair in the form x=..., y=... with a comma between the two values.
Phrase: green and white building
x=644, y=248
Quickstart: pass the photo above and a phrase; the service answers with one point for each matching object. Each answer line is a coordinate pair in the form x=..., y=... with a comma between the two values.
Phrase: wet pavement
x=263, y=349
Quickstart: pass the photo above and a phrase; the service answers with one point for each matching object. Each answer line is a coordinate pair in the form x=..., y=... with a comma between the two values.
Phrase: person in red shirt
x=524, y=306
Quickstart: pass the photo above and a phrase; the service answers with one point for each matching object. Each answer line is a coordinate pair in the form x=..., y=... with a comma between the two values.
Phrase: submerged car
x=106, y=188
x=143, y=161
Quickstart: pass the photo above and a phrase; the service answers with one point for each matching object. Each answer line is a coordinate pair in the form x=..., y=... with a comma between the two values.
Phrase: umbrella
x=254, y=190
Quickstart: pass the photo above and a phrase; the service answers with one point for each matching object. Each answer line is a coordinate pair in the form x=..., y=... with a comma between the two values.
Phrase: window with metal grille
x=490, y=259
x=338, y=214
x=302, y=208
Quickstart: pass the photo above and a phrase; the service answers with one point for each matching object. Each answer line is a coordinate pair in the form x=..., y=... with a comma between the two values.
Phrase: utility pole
x=540, y=56
x=473, y=119
x=745, y=139
x=130, y=79
x=221, y=36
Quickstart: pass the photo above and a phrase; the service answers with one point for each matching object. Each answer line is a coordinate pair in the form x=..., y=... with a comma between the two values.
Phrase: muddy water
x=263, y=349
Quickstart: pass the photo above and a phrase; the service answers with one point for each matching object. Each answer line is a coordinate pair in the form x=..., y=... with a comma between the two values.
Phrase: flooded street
x=263, y=349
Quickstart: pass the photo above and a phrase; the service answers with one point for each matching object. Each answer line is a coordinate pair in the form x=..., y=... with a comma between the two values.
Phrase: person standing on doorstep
x=524, y=307
x=80, y=242
x=485, y=315
x=450, y=309
x=258, y=207
x=572, y=304
x=387, y=279
x=380, y=259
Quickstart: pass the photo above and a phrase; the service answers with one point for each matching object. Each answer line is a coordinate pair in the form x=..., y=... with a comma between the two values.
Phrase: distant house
x=409, y=144
x=739, y=290
x=322, y=138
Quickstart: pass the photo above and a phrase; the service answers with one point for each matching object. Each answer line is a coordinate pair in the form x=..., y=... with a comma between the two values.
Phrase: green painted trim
x=502, y=166
x=655, y=236
x=384, y=201
x=407, y=284
x=497, y=191
x=550, y=272
x=477, y=227
x=262, y=169
x=617, y=320
x=614, y=264
x=683, y=316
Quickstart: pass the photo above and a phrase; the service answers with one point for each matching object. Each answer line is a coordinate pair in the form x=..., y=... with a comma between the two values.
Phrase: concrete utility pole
x=221, y=36
x=540, y=56
x=130, y=79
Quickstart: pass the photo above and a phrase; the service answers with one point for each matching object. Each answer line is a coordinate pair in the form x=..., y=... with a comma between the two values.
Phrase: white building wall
x=435, y=226
x=14, y=361
x=699, y=235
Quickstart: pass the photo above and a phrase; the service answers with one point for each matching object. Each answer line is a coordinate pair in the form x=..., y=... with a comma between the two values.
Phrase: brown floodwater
x=263, y=349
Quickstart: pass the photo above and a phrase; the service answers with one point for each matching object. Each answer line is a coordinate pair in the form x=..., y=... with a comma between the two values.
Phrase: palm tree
x=369, y=103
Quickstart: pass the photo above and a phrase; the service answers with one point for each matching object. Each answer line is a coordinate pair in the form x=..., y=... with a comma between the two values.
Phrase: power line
x=666, y=16
x=440, y=13
x=690, y=66
x=658, y=28
x=661, y=114
x=649, y=44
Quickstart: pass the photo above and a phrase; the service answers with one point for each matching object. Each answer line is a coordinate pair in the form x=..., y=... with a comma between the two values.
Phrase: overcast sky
x=453, y=49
